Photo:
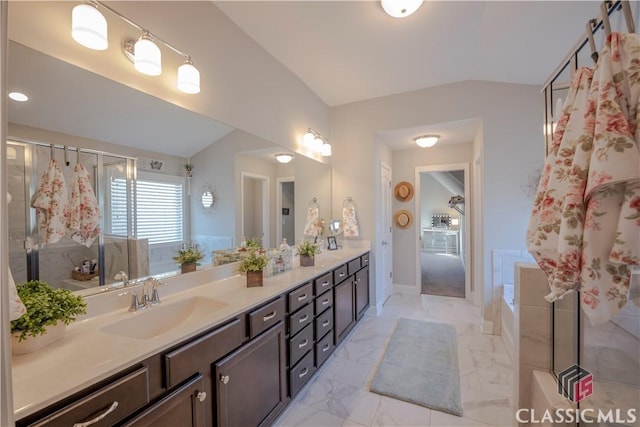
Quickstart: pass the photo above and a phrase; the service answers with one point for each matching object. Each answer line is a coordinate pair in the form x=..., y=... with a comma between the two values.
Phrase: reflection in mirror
x=207, y=199
x=112, y=123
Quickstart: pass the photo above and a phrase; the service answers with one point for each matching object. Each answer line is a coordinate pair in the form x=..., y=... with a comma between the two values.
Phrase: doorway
x=442, y=254
x=286, y=214
x=255, y=208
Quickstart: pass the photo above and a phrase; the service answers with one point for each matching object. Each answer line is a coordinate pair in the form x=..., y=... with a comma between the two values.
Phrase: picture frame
x=332, y=244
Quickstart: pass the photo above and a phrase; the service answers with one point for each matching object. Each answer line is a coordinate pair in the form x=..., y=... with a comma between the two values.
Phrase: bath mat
x=420, y=365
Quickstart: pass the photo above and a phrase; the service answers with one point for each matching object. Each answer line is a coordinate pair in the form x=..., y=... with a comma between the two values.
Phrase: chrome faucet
x=147, y=296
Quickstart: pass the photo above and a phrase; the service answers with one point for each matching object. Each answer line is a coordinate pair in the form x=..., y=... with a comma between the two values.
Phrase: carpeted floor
x=442, y=275
x=420, y=365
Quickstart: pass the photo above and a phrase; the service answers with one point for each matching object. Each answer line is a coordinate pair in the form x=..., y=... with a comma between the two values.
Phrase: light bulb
x=307, y=139
x=317, y=144
x=188, y=78
x=89, y=27
x=147, y=56
x=326, y=150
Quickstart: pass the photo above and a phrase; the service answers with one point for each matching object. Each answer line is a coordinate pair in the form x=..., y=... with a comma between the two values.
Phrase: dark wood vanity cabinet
x=250, y=383
x=351, y=296
x=361, y=284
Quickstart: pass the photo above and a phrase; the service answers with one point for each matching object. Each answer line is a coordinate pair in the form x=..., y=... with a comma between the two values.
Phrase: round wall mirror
x=207, y=199
x=334, y=226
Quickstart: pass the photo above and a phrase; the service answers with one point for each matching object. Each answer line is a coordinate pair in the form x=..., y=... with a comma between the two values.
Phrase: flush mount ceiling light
x=426, y=141
x=284, y=157
x=400, y=8
x=18, y=96
x=144, y=53
x=89, y=27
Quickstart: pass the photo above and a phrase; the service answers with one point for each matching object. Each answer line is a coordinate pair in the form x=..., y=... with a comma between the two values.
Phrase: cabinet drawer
x=300, y=297
x=323, y=349
x=197, y=355
x=323, y=283
x=300, y=374
x=300, y=319
x=324, y=323
x=323, y=302
x=117, y=400
x=364, y=260
x=266, y=316
x=353, y=266
x=339, y=274
x=300, y=344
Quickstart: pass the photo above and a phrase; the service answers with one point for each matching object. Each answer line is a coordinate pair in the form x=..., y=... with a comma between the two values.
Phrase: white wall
x=511, y=143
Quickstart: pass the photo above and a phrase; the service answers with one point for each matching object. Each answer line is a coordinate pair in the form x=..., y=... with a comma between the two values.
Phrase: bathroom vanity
x=213, y=353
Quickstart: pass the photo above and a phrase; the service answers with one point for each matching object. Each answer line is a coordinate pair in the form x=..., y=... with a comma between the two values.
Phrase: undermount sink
x=159, y=319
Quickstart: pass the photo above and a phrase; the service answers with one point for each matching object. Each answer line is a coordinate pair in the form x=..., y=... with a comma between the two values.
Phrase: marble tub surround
x=88, y=354
x=339, y=394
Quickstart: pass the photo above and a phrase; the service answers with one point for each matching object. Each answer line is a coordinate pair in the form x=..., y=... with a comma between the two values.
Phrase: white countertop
x=87, y=355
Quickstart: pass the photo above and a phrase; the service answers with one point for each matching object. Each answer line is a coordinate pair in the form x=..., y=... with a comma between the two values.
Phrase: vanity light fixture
x=18, y=96
x=314, y=141
x=326, y=150
x=284, y=157
x=88, y=22
x=89, y=26
x=426, y=141
x=308, y=138
x=400, y=8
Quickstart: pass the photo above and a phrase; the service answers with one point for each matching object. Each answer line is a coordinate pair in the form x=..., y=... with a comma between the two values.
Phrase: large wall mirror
x=135, y=147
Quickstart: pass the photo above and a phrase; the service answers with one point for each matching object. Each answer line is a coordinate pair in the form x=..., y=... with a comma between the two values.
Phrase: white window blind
x=159, y=208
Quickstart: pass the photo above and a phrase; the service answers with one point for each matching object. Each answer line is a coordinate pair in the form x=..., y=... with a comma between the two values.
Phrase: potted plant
x=49, y=311
x=188, y=257
x=252, y=265
x=307, y=251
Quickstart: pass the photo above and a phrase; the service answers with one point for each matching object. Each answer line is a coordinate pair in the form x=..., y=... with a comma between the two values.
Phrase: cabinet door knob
x=224, y=379
x=202, y=396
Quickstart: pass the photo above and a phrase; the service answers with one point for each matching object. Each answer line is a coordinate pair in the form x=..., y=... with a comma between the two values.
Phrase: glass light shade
x=400, y=8
x=147, y=57
x=455, y=221
x=427, y=141
x=317, y=144
x=284, y=157
x=326, y=150
x=188, y=78
x=89, y=27
x=307, y=139
x=18, y=96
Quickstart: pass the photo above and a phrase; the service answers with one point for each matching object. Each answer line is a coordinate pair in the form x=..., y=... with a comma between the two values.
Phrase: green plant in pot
x=252, y=265
x=188, y=257
x=307, y=251
x=48, y=312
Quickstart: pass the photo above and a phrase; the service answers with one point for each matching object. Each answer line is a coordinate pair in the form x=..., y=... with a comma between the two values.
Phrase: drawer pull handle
x=325, y=302
x=304, y=372
x=201, y=396
x=302, y=297
x=324, y=284
x=100, y=417
x=269, y=316
x=304, y=318
x=224, y=379
x=326, y=347
x=342, y=274
x=326, y=323
x=303, y=343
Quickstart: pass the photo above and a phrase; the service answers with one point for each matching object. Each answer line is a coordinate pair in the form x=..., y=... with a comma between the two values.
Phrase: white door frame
x=467, y=223
x=266, y=223
x=384, y=245
x=279, y=182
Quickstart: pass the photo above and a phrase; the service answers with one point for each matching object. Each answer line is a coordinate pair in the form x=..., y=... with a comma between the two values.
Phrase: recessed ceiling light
x=18, y=96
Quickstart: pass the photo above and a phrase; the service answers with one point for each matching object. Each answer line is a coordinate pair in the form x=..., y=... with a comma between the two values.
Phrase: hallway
x=442, y=275
x=339, y=394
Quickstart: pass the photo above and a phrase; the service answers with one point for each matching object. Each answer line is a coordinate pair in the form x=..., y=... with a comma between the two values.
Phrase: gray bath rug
x=420, y=365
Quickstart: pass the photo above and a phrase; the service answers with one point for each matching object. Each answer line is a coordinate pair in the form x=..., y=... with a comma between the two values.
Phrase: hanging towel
x=349, y=222
x=84, y=213
x=16, y=307
x=311, y=224
x=51, y=203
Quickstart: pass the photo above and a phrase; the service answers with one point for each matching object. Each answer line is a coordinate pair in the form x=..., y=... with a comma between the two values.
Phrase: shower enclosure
x=113, y=181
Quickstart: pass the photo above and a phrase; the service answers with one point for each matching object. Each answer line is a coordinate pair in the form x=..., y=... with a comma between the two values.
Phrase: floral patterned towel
x=584, y=230
x=84, y=213
x=311, y=224
x=16, y=307
x=51, y=203
x=349, y=222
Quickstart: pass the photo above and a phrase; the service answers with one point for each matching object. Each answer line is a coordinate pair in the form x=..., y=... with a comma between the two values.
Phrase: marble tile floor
x=339, y=393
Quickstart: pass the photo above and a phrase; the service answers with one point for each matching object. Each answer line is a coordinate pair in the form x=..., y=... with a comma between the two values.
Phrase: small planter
x=254, y=279
x=307, y=261
x=31, y=344
x=188, y=267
